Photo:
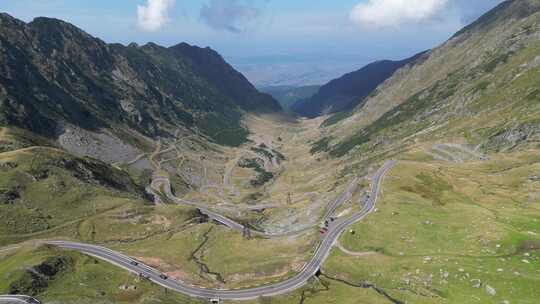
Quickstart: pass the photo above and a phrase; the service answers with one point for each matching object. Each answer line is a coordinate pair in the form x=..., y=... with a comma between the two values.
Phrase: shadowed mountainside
x=52, y=72
x=350, y=90
x=289, y=95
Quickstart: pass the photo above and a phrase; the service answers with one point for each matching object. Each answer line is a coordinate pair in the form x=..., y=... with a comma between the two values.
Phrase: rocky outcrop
x=509, y=138
x=95, y=172
x=36, y=279
x=9, y=196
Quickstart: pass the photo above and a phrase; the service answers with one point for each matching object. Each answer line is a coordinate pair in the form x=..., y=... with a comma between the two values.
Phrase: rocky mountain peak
x=52, y=72
x=505, y=12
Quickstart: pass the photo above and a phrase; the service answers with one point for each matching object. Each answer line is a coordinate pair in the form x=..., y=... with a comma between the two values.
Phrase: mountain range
x=485, y=94
x=417, y=181
x=351, y=89
x=53, y=73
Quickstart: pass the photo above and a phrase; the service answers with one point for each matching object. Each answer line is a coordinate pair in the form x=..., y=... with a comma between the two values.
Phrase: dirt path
x=454, y=153
x=154, y=154
x=228, y=173
x=353, y=253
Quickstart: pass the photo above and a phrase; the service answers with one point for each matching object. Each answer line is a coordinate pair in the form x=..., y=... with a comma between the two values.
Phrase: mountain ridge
x=289, y=95
x=451, y=85
x=53, y=72
x=348, y=91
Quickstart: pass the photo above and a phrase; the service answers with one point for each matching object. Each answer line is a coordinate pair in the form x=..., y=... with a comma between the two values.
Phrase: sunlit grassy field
x=447, y=232
x=85, y=280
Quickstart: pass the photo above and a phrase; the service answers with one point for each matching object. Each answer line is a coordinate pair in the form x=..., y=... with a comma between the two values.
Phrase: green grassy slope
x=478, y=86
x=68, y=277
x=456, y=223
x=448, y=228
x=498, y=104
x=46, y=192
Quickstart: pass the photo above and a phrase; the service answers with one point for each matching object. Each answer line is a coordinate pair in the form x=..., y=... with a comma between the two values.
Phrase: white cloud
x=393, y=13
x=229, y=15
x=155, y=14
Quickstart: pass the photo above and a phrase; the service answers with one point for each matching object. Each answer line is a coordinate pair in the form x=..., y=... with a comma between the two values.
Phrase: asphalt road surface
x=17, y=299
x=159, y=182
x=340, y=200
x=308, y=271
x=166, y=186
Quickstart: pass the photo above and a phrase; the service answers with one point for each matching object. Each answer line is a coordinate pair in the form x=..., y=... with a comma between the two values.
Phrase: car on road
x=134, y=263
x=163, y=277
x=323, y=230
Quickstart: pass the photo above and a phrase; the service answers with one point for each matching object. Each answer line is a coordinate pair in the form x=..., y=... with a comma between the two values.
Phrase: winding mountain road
x=309, y=270
x=340, y=200
x=163, y=183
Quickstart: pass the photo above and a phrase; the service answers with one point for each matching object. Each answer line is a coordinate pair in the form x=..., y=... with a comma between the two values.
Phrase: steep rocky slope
x=210, y=65
x=52, y=73
x=351, y=89
x=480, y=88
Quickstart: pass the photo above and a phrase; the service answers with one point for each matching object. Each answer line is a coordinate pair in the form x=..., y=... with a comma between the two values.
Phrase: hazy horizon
x=273, y=42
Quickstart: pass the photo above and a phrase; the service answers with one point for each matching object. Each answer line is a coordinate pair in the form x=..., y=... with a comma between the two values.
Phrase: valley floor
x=450, y=227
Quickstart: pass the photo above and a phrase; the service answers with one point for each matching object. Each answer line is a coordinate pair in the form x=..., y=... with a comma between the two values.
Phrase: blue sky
x=251, y=32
